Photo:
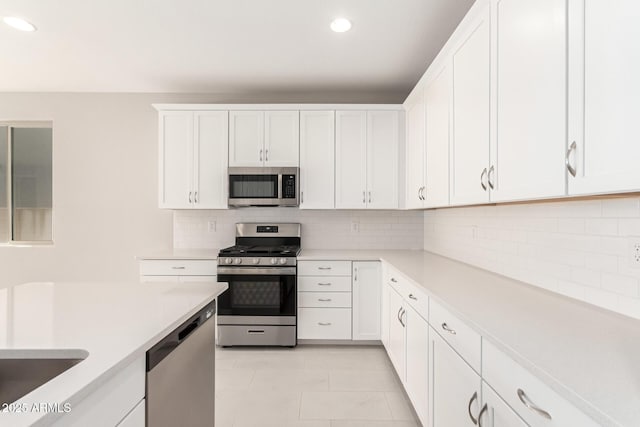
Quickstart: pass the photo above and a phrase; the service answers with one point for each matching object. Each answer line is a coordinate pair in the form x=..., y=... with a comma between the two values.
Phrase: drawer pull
x=324, y=284
x=255, y=331
x=393, y=279
x=482, y=411
x=324, y=299
x=474, y=397
x=526, y=402
x=178, y=268
x=448, y=329
x=324, y=323
x=324, y=268
x=413, y=297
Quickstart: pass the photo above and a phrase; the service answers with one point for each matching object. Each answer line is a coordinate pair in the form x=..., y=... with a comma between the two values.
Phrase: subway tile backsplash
x=331, y=229
x=581, y=249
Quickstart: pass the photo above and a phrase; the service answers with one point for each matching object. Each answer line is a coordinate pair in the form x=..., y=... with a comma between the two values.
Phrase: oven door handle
x=254, y=271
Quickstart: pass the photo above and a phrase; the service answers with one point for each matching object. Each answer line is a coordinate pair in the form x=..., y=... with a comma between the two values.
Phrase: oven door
x=256, y=291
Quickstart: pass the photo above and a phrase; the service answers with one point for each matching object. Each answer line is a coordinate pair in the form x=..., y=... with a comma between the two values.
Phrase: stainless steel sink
x=22, y=371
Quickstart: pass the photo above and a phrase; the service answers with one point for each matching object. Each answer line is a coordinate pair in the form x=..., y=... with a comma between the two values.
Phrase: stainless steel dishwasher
x=181, y=374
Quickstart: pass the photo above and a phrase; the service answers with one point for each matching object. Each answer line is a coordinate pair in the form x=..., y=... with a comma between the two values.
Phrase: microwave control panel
x=288, y=186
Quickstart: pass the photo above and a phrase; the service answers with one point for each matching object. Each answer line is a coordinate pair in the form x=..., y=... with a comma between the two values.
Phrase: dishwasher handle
x=165, y=346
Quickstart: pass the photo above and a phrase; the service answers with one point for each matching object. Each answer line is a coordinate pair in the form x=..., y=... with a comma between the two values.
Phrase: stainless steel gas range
x=259, y=308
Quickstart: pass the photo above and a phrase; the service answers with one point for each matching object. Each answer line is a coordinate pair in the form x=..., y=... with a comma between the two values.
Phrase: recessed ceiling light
x=340, y=25
x=19, y=23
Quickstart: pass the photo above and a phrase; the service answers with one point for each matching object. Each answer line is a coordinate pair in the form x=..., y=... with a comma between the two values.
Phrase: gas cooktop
x=253, y=251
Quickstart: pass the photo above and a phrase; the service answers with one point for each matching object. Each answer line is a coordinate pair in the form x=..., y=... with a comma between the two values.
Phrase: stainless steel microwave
x=261, y=186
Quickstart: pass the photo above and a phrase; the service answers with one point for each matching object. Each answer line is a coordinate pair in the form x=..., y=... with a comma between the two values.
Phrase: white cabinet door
x=396, y=348
x=246, y=138
x=529, y=145
x=497, y=413
x=455, y=387
x=281, y=138
x=210, y=159
x=317, y=159
x=471, y=102
x=382, y=159
x=417, y=352
x=384, y=314
x=367, y=294
x=414, y=158
x=176, y=154
x=351, y=159
x=437, y=99
x=604, y=96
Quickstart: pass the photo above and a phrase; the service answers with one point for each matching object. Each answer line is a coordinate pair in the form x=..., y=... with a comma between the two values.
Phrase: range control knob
x=237, y=261
x=256, y=260
x=228, y=260
x=283, y=261
x=274, y=261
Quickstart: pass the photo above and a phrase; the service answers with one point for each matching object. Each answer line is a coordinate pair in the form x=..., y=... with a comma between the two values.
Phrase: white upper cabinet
x=317, y=159
x=246, y=138
x=437, y=129
x=528, y=146
x=351, y=159
x=469, y=153
x=281, y=138
x=258, y=138
x=415, y=158
x=382, y=159
x=604, y=96
x=193, y=159
x=366, y=159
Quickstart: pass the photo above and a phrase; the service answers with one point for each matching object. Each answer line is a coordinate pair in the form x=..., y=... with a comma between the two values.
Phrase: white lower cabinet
x=417, y=363
x=397, y=339
x=324, y=323
x=495, y=412
x=179, y=270
x=455, y=386
x=367, y=294
x=112, y=403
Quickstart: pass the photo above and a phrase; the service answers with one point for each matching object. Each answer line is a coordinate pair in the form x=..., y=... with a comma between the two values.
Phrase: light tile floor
x=309, y=386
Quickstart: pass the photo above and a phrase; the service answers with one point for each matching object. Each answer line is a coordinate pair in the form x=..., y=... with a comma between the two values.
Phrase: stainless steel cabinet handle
x=255, y=331
x=448, y=329
x=355, y=274
x=195, y=197
x=266, y=155
x=526, y=402
x=413, y=297
x=324, y=323
x=178, y=268
x=324, y=284
x=302, y=197
x=484, y=172
x=491, y=169
x=393, y=279
x=324, y=299
x=324, y=268
x=420, y=193
x=364, y=198
x=190, y=197
x=482, y=411
x=260, y=155
x=402, y=314
x=369, y=196
x=567, y=161
x=398, y=315
x=474, y=397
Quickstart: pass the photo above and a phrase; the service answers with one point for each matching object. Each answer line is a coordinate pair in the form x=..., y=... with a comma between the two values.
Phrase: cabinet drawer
x=519, y=388
x=324, y=268
x=324, y=283
x=324, y=323
x=324, y=299
x=462, y=338
x=178, y=267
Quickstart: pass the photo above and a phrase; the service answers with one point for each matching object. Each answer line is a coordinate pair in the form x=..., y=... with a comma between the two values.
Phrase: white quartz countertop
x=115, y=323
x=588, y=355
x=181, y=254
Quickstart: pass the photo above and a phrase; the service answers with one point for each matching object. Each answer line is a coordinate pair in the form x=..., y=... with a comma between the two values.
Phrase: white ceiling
x=222, y=46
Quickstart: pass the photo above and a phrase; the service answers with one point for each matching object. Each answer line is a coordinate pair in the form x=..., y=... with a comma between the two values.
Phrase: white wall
x=320, y=229
x=576, y=248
